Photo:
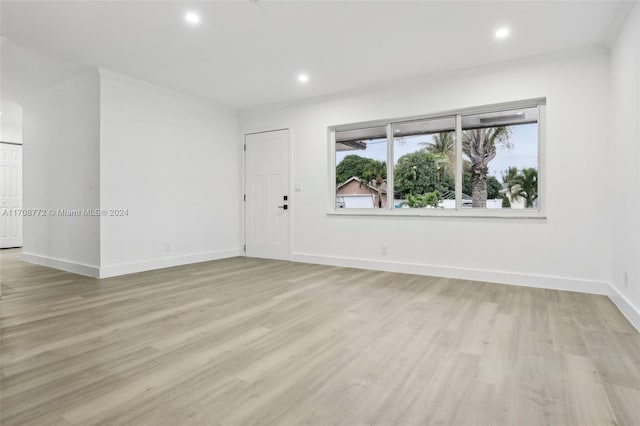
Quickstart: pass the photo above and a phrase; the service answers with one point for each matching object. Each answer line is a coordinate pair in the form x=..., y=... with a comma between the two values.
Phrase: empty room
x=263, y=212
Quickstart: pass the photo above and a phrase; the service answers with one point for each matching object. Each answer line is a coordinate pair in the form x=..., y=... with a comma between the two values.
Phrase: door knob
x=284, y=207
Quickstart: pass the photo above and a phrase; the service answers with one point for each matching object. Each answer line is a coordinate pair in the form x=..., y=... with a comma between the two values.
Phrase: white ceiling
x=249, y=53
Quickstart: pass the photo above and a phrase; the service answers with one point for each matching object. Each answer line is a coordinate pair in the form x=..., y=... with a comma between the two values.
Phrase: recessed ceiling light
x=502, y=33
x=192, y=18
x=303, y=78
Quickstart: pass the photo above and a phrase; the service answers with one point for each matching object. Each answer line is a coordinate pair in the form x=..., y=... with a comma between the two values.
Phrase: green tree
x=443, y=144
x=480, y=146
x=374, y=173
x=525, y=187
x=467, y=187
x=509, y=176
x=417, y=173
x=509, y=180
x=353, y=165
x=493, y=186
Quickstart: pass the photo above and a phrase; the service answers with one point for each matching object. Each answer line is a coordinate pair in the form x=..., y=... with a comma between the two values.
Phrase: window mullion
x=332, y=171
x=390, y=195
x=458, y=161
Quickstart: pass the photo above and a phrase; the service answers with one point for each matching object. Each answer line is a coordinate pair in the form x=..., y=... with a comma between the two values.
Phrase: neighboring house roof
x=353, y=178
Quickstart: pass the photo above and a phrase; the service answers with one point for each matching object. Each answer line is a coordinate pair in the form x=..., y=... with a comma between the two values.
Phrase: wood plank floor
x=245, y=342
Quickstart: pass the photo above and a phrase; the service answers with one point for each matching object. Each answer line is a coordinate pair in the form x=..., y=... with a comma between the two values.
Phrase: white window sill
x=445, y=213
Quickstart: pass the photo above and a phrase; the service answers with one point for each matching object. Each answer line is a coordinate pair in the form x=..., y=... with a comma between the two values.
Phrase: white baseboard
x=65, y=265
x=166, y=262
x=539, y=281
x=622, y=303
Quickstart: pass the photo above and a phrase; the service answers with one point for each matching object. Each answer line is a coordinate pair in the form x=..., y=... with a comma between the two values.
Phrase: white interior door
x=10, y=195
x=267, y=189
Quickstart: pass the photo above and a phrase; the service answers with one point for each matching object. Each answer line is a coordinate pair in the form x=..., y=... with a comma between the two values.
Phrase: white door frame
x=291, y=198
x=19, y=219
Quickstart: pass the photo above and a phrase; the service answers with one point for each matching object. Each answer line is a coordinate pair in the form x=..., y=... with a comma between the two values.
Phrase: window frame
x=389, y=210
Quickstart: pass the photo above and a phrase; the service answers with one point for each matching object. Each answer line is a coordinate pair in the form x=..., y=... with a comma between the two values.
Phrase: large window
x=479, y=160
x=361, y=168
x=424, y=159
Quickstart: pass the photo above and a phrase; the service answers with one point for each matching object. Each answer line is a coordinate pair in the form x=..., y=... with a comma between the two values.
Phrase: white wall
x=571, y=249
x=61, y=171
x=624, y=138
x=173, y=162
x=10, y=122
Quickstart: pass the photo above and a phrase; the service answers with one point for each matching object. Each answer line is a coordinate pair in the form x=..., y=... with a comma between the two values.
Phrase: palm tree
x=509, y=180
x=480, y=146
x=526, y=187
x=443, y=144
x=374, y=173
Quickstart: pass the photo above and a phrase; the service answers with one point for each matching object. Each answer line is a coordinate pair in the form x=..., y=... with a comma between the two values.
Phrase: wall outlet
x=383, y=250
x=167, y=246
x=626, y=279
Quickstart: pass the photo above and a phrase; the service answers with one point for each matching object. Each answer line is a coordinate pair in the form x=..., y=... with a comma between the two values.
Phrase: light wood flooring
x=254, y=342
